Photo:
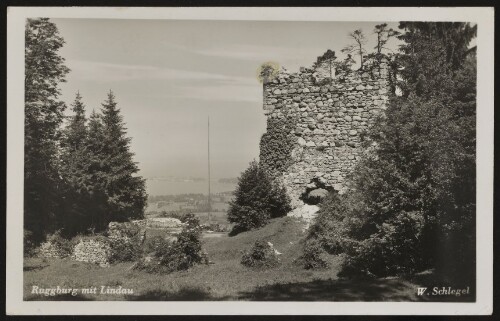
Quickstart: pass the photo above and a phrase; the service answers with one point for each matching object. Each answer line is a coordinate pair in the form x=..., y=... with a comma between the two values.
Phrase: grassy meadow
x=224, y=279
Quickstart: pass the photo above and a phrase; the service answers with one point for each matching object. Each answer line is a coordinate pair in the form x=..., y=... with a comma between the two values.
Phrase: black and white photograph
x=286, y=160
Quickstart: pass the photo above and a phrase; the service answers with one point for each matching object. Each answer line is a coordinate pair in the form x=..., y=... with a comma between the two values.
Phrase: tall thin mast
x=209, y=203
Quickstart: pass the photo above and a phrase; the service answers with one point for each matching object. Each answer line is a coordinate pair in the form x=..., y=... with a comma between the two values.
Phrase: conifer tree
x=415, y=196
x=124, y=189
x=44, y=70
x=73, y=142
x=358, y=46
x=96, y=176
x=327, y=59
x=73, y=171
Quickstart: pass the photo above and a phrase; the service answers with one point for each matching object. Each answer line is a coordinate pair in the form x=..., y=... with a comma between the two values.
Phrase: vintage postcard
x=250, y=161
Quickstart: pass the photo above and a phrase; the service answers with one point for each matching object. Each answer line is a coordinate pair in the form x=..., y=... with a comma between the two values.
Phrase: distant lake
x=166, y=187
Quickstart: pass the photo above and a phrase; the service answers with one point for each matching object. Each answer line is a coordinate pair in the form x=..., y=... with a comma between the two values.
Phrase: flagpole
x=209, y=196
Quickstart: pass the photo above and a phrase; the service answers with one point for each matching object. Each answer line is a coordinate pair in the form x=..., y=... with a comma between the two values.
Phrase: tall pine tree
x=74, y=171
x=44, y=70
x=124, y=189
x=96, y=175
x=73, y=141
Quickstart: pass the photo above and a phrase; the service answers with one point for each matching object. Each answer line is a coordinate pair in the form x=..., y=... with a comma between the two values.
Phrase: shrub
x=125, y=249
x=57, y=246
x=395, y=249
x=216, y=227
x=152, y=244
x=262, y=255
x=313, y=256
x=178, y=255
x=29, y=244
x=125, y=240
x=338, y=222
x=257, y=199
x=371, y=244
x=189, y=240
x=268, y=71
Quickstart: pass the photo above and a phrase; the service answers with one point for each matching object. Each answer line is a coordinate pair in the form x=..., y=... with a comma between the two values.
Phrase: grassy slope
x=226, y=279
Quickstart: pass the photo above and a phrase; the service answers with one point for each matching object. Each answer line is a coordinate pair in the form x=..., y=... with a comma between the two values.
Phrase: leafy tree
x=383, y=36
x=257, y=199
x=328, y=59
x=345, y=65
x=427, y=142
x=357, y=47
x=268, y=71
x=44, y=70
x=416, y=192
x=124, y=189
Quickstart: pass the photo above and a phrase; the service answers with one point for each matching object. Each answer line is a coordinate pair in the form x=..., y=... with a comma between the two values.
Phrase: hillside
x=225, y=279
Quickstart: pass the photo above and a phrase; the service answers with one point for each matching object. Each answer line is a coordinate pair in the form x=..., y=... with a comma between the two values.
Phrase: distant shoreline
x=167, y=187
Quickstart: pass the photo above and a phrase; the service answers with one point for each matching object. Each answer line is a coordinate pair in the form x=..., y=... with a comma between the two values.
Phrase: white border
x=484, y=17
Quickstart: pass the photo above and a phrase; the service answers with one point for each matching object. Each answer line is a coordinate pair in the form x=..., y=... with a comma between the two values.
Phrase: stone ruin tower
x=315, y=120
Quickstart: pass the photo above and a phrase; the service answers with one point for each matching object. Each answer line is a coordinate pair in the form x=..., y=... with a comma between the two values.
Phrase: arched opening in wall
x=315, y=191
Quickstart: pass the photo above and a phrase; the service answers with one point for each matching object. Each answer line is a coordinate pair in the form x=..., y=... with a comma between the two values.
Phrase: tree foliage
x=276, y=145
x=258, y=197
x=179, y=255
x=124, y=189
x=329, y=59
x=268, y=71
x=358, y=46
x=44, y=70
x=79, y=176
x=383, y=35
x=415, y=194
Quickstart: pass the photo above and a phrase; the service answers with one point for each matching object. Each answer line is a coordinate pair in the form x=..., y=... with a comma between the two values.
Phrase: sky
x=169, y=76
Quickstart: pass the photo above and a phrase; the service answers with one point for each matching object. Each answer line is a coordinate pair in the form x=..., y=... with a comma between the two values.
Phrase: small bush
x=394, y=250
x=125, y=240
x=338, y=222
x=257, y=199
x=189, y=240
x=63, y=246
x=262, y=255
x=152, y=244
x=216, y=227
x=313, y=256
x=29, y=244
x=268, y=71
x=168, y=257
x=125, y=249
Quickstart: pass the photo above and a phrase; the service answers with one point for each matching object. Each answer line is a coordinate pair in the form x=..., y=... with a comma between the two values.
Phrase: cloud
x=290, y=58
x=184, y=84
x=103, y=71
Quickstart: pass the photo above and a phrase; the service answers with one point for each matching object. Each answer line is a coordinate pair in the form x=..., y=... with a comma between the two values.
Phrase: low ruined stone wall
x=121, y=242
x=321, y=122
x=92, y=251
x=52, y=250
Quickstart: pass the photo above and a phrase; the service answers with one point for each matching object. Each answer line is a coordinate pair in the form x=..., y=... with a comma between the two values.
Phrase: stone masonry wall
x=92, y=251
x=329, y=117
